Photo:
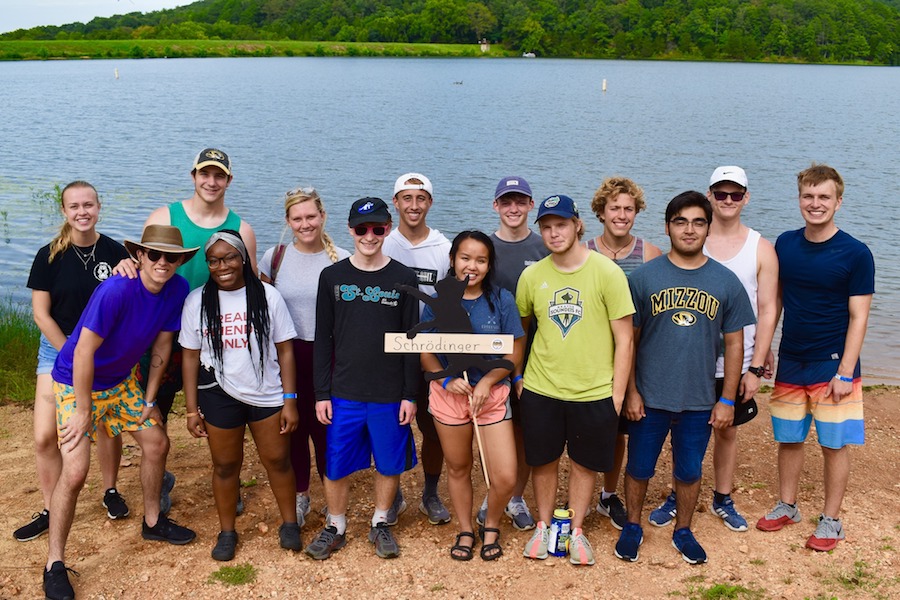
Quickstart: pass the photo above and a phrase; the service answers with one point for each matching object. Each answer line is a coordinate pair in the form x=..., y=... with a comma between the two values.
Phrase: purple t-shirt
x=128, y=318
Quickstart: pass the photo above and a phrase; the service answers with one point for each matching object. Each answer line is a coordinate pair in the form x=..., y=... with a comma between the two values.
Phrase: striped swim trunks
x=800, y=397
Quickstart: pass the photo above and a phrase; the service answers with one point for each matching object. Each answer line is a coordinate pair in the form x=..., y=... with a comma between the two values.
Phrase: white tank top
x=743, y=264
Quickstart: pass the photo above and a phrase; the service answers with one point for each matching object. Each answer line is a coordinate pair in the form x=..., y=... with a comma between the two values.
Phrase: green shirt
x=195, y=270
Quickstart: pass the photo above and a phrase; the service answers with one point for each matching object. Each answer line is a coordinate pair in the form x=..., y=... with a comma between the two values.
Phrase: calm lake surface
x=350, y=126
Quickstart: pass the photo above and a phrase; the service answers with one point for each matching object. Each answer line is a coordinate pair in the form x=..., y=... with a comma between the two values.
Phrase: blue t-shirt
x=503, y=319
x=128, y=318
x=817, y=280
x=682, y=315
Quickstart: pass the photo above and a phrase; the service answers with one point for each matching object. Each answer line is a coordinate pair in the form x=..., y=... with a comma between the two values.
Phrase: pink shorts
x=448, y=408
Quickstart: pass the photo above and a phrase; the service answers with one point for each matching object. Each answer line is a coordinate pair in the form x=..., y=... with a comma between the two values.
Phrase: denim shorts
x=46, y=356
x=690, y=436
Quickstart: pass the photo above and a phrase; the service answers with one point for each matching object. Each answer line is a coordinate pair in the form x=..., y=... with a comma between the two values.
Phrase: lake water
x=350, y=126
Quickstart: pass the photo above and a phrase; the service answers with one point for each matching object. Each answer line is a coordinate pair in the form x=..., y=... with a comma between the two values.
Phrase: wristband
x=840, y=377
x=290, y=396
x=150, y=404
x=192, y=414
x=446, y=381
x=726, y=401
x=410, y=400
x=516, y=378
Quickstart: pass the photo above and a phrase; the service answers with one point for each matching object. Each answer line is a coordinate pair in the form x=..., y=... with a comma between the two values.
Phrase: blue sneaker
x=630, y=540
x=482, y=513
x=664, y=514
x=729, y=514
x=396, y=509
x=691, y=551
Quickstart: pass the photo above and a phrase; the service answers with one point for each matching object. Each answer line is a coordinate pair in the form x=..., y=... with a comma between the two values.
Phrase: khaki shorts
x=118, y=409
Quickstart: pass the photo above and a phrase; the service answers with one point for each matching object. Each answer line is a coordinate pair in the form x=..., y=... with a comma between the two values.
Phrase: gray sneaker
x=328, y=541
x=783, y=514
x=482, y=512
x=396, y=508
x=165, y=500
x=828, y=533
x=385, y=545
x=302, y=509
x=434, y=509
x=521, y=517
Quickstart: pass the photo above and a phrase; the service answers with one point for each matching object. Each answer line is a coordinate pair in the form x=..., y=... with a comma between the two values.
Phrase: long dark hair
x=257, y=311
x=487, y=286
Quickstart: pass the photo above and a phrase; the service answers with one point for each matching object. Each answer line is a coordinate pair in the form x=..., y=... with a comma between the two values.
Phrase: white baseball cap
x=401, y=183
x=732, y=174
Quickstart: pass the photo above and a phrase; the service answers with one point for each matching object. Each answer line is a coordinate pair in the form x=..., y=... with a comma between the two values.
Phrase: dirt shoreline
x=114, y=562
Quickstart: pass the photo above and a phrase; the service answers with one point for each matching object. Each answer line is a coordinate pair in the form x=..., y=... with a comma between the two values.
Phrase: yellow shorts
x=118, y=409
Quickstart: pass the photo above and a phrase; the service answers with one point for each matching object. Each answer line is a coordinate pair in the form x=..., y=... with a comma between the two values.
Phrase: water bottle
x=560, y=530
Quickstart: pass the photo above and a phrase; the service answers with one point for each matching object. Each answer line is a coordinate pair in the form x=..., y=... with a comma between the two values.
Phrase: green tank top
x=195, y=270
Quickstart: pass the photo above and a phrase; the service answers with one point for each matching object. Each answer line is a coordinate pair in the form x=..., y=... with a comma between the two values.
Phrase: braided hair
x=257, y=306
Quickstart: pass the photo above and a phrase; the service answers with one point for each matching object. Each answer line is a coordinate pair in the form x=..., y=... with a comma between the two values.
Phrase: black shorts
x=224, y=412
x=424, y=420
x=588, y=429
x=743, y=411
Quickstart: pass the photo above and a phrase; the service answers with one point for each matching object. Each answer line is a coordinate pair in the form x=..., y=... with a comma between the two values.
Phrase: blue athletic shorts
x=801, y=397
x=362, y=430
x=690, y=436
x=46, y=356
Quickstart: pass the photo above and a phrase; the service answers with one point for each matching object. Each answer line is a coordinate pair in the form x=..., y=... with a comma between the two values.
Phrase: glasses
x=232, y=259
x=305, y=191
x=378, y=230
x=171, y=257
x=723, y=196
x=681, y=223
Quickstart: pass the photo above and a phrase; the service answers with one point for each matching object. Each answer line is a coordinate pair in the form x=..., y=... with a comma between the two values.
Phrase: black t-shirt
x=69, y=281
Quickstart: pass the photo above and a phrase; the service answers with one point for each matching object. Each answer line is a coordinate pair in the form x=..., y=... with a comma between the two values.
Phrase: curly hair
x=611, y=188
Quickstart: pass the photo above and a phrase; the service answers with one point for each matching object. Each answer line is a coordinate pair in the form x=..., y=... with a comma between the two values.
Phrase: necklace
x=85, y=257
x=616, y=252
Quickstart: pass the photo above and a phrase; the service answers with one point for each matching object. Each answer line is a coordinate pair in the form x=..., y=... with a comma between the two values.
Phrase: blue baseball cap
x=559, y=205
x=512, y=184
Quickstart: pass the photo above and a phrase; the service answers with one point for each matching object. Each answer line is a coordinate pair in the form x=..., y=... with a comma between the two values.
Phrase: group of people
x=617, y=346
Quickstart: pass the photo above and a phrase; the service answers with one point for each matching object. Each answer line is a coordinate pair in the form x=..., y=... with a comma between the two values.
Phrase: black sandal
x=491, y=551
x=460, y=552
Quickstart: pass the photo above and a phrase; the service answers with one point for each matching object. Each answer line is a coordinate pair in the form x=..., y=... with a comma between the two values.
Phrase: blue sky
x=22, y=14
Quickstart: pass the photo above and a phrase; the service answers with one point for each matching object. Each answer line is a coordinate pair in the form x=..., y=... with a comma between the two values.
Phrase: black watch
x=758, y=371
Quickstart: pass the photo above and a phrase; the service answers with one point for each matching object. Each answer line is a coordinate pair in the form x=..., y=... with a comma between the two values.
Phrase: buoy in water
x=117, y=73
x=604, y=86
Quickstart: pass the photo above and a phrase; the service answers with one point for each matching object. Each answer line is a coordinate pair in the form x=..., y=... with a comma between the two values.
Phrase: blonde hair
x=63, y=239
x=818, y=174
x=611, y=188
x=300, y=195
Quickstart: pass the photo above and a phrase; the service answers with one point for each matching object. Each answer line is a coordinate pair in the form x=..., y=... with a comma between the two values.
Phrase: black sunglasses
x=735, y=196
x=171, y=257
x=378, y=230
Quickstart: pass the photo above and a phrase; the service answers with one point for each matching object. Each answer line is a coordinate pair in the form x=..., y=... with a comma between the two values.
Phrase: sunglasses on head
x=171, y=257
x=378, y=230
x=735, y=196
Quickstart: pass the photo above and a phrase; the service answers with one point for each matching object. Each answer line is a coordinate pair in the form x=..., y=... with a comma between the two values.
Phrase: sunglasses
x=171, y=257
x=378, y=230
x=735, y=196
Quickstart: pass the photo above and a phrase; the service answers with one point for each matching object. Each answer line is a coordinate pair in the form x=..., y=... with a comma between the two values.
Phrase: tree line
x=855, y=31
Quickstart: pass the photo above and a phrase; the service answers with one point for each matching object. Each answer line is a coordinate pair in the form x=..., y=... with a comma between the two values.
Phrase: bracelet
x=726, y=401
x=446, y=381
x=840, y=377
x=289, y=396
x=410, y=400
x=150, y=404
x=516, y=378
x=193, y=414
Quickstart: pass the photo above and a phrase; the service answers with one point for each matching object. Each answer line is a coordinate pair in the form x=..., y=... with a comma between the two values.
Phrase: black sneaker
x=56, y=582
x=165, y=500
x=167, y=530
x=328, y=541
x=225, y=546
x=613, y=508
x=40, y=523
x=115, y=504
x=289, y=536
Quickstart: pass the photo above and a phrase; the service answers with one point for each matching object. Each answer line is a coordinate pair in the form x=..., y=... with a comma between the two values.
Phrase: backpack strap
x=277, y=259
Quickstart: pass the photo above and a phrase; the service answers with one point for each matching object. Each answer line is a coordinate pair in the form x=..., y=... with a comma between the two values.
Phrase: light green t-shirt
x=572, y=354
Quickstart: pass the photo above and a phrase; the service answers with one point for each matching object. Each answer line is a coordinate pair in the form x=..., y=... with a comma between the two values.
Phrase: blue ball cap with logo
x=369, y=210
x=559, y=205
